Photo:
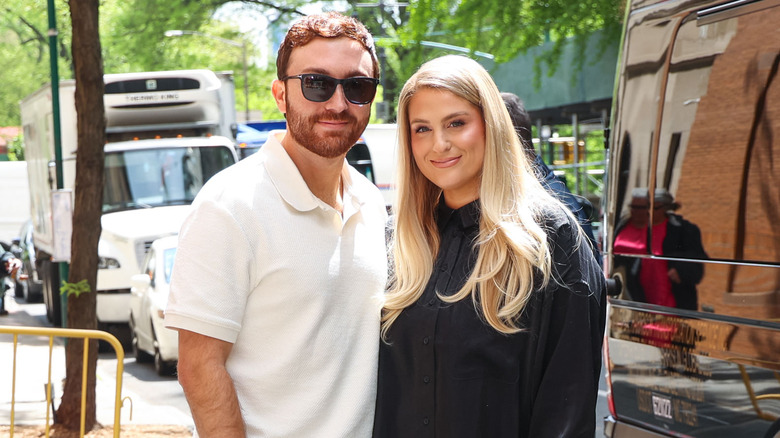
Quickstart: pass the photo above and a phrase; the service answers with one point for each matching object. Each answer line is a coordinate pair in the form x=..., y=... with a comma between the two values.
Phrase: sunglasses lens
x=317, y=88
x=320, y=88
x=359, y=91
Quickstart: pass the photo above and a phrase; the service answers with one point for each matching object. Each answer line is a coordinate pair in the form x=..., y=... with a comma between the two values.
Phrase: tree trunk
x=87, y=208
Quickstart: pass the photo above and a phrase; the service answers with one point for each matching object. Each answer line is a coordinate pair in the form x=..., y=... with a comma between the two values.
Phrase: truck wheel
x=19, y=290
x=51, y=292
x=33, y=291
x=103, y=346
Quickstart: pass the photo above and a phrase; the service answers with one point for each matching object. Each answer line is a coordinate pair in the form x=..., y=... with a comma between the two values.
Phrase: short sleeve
x=211, y=276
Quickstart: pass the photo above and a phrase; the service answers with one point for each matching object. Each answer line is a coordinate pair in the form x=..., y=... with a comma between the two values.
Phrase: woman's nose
x=442, y=143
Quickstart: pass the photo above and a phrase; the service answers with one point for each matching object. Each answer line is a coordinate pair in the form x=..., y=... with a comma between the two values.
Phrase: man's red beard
x=301, y=128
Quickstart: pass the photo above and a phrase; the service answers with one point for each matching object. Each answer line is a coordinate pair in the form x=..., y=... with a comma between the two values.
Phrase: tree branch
x=281, y=8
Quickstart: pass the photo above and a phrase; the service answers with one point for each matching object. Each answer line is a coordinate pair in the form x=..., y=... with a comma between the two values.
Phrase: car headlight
x=108, y=263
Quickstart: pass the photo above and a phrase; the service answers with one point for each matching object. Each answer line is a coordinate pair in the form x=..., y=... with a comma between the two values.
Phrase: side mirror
x=139, y=282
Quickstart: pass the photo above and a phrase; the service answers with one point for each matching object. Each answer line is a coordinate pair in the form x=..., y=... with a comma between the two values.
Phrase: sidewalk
x=32, y=361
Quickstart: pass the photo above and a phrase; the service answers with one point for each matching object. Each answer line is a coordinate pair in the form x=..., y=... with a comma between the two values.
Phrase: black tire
x=104, y=346
x=20, y=290
x=51, y=292
x=34, y=291
x=29, y=291
x=164, y=368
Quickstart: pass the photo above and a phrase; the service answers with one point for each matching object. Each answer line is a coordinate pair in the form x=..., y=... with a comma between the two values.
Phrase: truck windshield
x=159, y=177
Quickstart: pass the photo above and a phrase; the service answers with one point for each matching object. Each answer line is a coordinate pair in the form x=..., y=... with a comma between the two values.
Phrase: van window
x=716, y=156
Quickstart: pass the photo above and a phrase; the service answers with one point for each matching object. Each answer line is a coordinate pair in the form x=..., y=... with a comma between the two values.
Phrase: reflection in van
x=693, y=338
x=661, y=281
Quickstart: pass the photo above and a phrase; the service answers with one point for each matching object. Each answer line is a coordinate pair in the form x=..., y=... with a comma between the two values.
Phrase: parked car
x=249, y=140
x=27, y=282
x=151, y=340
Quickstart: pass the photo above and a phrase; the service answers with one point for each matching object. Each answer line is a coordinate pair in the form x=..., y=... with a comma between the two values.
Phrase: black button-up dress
x=446, y=373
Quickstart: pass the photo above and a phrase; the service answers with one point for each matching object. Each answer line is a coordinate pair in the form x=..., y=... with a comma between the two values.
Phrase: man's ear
x=279, y=90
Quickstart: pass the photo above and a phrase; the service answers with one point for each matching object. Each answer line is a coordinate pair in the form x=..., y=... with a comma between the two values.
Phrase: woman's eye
x=420, y=129
x=457, y=123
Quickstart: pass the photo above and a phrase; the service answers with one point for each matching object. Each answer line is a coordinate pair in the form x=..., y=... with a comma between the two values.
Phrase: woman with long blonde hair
x=493, y=322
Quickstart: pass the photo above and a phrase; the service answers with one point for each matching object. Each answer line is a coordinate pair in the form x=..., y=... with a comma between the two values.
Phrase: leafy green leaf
x=75, y=289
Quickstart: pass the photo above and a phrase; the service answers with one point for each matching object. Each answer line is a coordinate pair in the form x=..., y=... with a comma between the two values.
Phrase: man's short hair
x=327, y=25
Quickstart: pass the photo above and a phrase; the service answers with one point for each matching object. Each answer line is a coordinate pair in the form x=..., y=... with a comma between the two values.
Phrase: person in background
x=494, y=318
x=278, y=268
x=668, y=283
x=580, y=206
x=10, y=265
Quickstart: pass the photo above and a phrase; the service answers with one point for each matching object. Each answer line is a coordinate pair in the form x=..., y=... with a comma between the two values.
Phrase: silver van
x=692, y=222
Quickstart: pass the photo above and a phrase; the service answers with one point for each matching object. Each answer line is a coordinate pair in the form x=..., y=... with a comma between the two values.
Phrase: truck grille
x=141, y=249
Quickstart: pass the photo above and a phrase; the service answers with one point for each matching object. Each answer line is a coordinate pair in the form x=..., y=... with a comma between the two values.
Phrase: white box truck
x=168, y=133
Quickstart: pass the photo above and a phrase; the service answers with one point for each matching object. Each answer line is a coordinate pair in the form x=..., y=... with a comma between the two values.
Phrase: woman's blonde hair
x=512, y=245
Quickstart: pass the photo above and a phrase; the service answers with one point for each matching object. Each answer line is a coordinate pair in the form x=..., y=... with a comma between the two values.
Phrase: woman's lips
x=447, y=162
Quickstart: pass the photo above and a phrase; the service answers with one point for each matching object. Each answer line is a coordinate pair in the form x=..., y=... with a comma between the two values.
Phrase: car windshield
x=158, y=177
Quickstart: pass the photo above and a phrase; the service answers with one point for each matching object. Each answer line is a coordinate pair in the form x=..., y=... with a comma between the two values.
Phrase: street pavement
x=148, y=398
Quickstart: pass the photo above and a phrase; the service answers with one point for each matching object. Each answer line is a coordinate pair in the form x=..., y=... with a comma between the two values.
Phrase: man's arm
x=208, y=386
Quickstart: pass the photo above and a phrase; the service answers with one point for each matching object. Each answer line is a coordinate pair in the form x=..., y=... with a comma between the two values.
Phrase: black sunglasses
x=359, y=90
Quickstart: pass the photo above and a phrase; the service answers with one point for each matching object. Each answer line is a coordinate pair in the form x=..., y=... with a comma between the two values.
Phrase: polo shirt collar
x=291, y=186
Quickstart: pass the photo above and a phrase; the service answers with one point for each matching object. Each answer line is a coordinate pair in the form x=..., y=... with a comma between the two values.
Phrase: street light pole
x=63, y=267
x=240, y=44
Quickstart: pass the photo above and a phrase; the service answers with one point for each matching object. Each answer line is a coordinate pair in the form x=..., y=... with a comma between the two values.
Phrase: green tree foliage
x=508, y=28
x=16, y=148
x=24, y=47
x=132, y=37
x=132, y=33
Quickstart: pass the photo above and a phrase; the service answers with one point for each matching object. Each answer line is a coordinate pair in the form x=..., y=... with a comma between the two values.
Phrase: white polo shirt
x=266, y=265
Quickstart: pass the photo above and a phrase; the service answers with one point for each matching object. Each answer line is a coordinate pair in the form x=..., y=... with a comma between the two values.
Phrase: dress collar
x=466, y=216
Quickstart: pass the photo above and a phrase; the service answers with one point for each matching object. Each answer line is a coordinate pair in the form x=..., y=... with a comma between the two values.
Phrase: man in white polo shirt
x=276, y=286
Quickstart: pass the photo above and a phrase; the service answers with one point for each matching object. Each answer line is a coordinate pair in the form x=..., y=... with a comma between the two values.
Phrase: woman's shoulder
x=555, y=218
